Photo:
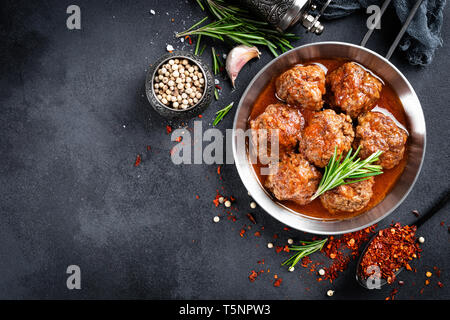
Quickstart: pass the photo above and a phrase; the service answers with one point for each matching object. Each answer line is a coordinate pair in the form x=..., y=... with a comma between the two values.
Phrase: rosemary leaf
x=222, y=113
x=348, y=171
x=302, y=251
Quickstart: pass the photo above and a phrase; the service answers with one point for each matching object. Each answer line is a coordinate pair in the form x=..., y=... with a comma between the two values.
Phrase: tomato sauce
x=388, y=101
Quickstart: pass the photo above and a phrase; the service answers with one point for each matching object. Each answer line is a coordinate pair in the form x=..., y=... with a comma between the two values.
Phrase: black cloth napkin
x=423, y=35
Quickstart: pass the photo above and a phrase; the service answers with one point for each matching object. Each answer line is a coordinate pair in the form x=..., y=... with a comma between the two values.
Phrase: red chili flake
x=252, y=276
x=437, y=271
x=392, y=295
x=188, y=39
x=442, y=223
x=278, y=249
x=286, y=229
x=257, y=234
x=277, y=282
x=168, y=129
x=275, y=236
x=197, y=197
x=200, y=116
x=335, y=249
x=148, y=148
x=218, y=170
x=251, y=218
x=218, y=87
x=391, y=249
x=440, y=284
x=178, y=139
x=261, y=262
x=242, y=232
x=232, y=199
x=138, y=160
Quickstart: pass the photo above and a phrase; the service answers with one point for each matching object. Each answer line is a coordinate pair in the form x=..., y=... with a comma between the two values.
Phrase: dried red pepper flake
x=336, y=247
x=168, y=129
x=179, y=139
x=278, y=249
x=137, y=162
x=218, y=170
x=148, y=148
x=286, y=229
x=252, y=276
x=242, y=232
x=391, y=250
x=218, y=87
x=275, y=236
x=286, y=248
x=277, y=282
x=440, y=284
x=251, y=218
x=188, y=39
x=200, y=116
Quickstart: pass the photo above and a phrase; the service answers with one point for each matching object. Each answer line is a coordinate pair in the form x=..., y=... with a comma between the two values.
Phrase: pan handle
x=399, y=36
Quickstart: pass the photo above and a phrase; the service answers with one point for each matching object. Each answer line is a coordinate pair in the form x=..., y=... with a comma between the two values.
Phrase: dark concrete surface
x=73, y=118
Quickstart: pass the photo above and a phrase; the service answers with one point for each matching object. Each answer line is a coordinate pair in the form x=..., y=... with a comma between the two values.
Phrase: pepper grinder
x=283, y=14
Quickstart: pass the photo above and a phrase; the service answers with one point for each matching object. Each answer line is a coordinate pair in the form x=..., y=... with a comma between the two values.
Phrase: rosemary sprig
x=348, y=171
x=197, y=45
x=239, y=26
x=216, y=93
x=307, y=248
x=222, y=113
x=216, y=68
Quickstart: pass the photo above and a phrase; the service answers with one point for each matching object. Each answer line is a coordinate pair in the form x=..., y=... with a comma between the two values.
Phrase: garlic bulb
x=237, y=58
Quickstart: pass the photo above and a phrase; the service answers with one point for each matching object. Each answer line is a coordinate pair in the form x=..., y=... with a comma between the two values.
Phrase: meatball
x=348, y=197
x=376, y=131
x=296, y=179
x=288, y=121
x=302, y=86
x=353, y=89
x=325, y=132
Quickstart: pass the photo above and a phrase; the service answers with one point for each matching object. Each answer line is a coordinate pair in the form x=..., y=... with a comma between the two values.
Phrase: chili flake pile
x=335, y=250
x=391, y=250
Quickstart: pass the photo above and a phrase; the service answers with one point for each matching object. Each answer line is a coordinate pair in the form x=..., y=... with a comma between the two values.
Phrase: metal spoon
x=377, y=283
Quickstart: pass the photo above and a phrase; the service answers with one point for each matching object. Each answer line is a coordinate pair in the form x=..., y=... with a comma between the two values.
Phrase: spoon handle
x=436, y=207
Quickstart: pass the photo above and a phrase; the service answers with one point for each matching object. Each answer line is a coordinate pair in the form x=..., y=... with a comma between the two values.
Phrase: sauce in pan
x=389, y=104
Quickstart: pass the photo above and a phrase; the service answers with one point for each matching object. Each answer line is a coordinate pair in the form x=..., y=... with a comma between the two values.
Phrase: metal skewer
x=370, y=31
x=403, y=29
x=399, y=36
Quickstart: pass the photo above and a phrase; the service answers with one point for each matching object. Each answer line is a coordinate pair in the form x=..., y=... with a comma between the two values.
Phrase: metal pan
x=416, y=141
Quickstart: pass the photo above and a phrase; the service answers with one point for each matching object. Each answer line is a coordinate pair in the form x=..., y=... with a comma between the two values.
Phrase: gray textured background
x=74, y=117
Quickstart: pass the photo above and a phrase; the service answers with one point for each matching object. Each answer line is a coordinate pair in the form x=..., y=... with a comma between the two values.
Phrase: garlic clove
x=237, y=58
